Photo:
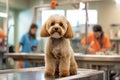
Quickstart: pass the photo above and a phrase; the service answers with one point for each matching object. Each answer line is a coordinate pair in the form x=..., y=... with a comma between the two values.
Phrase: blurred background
x=21, y=13
x=16, y=16
x=103, y=12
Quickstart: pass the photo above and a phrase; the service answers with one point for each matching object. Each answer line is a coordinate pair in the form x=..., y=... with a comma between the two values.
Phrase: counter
x=96, y=59
x=84, y=61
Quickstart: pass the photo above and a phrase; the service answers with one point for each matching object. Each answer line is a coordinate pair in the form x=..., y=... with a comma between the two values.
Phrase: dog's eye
x=61, y=24
x=52, y=23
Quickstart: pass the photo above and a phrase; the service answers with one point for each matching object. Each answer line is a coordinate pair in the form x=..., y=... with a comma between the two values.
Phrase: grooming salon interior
x=59, y=39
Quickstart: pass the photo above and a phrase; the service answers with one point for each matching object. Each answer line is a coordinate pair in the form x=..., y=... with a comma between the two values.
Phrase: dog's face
x=57, y=26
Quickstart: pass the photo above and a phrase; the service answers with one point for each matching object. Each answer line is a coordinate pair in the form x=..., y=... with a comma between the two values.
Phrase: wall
x=108, y=13
x=11, y=28
x=17, y=4
x=39, y=2
x=24, y=22
x=35, y=2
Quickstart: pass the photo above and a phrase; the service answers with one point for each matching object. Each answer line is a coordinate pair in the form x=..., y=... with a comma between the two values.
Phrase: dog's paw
x=73, y=71
x=49, y=74
x=64, y=73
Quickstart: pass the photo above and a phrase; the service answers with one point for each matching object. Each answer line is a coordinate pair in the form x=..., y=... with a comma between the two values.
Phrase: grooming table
x=38, y=74
x=85, y=61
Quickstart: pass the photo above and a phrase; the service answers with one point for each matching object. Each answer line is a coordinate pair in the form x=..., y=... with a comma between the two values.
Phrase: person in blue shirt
x=28, y=43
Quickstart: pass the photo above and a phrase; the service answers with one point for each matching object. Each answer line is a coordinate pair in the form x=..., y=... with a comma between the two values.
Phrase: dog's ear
x=44, y=32
x=69, y=33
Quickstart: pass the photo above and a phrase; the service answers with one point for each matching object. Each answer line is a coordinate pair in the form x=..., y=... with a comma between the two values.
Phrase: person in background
x=28, y=43
x=2, y=34
x=3, y=50
x=98, y=41
x=2, y=37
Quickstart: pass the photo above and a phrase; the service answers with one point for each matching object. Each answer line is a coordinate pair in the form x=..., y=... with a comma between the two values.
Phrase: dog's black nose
x=56, y=29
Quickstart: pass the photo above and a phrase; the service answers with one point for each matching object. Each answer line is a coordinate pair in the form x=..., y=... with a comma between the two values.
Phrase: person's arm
x=104, y=49
x=22, y=41
x=89, y=49
x=18, y=48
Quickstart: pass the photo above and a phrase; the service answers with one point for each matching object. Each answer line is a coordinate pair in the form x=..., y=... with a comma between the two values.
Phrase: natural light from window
x=47, y=13
x=78, y=17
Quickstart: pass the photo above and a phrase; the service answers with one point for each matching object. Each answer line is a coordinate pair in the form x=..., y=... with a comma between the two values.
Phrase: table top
x=38, y=74
x=78, y=56
x=115, y=39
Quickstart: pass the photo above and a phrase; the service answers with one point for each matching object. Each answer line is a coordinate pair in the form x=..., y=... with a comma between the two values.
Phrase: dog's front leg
x=64, y=66
x=49, y=66
x=73, y=66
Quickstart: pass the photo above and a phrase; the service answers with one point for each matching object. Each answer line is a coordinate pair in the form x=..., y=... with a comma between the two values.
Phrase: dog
x=59, y=56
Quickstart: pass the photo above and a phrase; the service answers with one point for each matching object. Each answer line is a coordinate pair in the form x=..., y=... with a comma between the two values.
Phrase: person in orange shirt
x=2, y=34
x=2, y=37
x=97, y=40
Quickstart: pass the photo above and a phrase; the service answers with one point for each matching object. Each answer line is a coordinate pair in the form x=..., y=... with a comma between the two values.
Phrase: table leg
x=85, y=66
x=117, y=45
x=108, y=72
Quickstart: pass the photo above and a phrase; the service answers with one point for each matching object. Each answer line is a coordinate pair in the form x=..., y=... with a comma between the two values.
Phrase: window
x=78, y=17
x=47, y=13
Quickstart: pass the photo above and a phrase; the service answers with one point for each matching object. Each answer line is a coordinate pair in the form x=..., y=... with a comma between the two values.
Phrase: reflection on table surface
x=38, y=74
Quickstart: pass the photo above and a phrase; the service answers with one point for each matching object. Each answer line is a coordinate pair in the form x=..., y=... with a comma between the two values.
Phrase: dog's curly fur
x=59, y=54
